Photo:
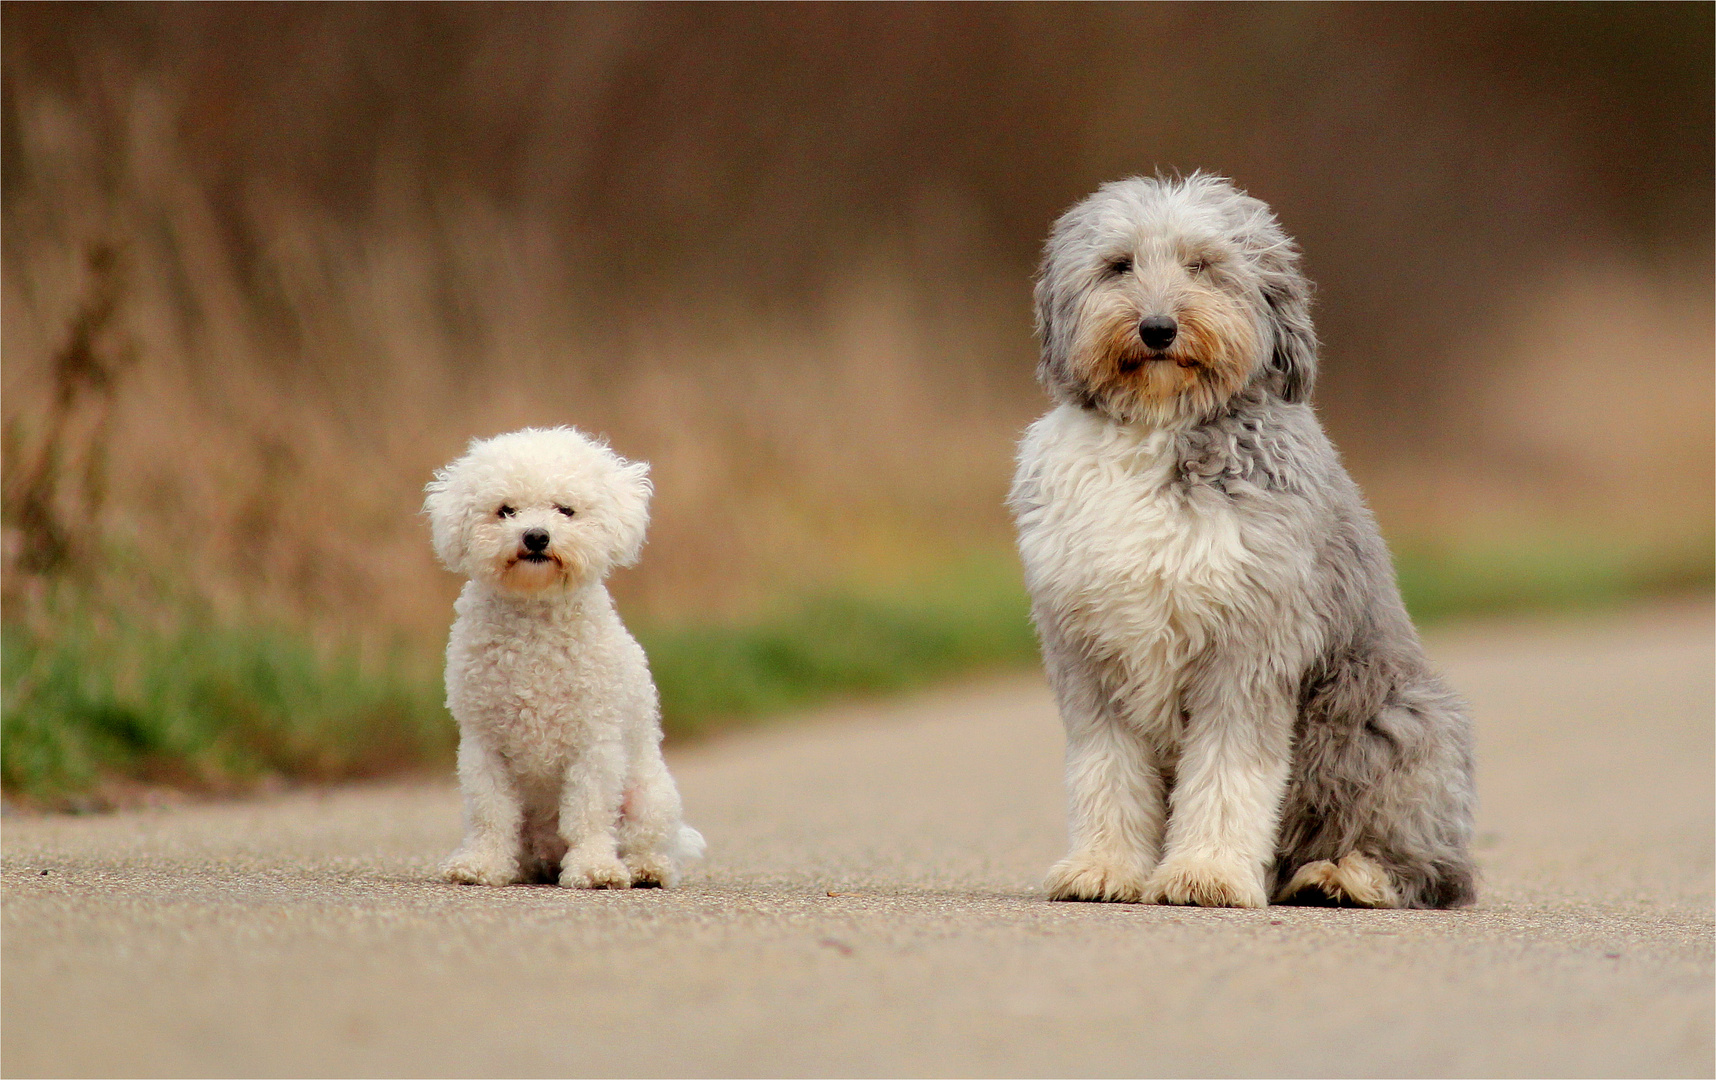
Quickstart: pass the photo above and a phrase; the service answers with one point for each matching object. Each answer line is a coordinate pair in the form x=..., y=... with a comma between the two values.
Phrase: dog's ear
x=632, y=490
x=1051, y=360
x=1292, y=366
x=1291, y=369
x=1056, y=303
x=446, y=506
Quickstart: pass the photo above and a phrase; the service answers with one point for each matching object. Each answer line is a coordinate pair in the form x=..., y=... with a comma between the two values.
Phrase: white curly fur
x=559, y=725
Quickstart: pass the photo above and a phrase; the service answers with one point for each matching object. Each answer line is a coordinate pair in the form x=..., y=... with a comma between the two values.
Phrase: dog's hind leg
x=1381, y=793
x=1352, y=880
x=652, y=839
x=494, y=820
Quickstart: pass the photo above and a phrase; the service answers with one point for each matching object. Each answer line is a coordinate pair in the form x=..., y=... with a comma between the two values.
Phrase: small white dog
x=559, y=724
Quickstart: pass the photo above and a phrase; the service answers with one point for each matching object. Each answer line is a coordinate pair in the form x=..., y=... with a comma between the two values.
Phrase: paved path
x=870, y=906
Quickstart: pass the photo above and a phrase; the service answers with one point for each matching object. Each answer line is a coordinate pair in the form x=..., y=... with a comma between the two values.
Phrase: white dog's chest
x=540, y=693
x=1121, y=555
x=516, y=693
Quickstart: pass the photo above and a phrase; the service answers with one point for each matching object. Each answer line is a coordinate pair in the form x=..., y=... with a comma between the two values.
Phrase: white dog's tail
x=690, y=846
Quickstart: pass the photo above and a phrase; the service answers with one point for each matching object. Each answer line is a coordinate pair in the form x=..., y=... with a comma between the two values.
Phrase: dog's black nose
x=535, y=540
x=1158, y=331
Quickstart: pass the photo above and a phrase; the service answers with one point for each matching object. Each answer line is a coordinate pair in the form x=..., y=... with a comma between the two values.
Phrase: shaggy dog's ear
x=632, y=489
x=1291, y=369
x=1056, y=306
x=447, y=509
x=1052, y=363
x=1293, y=362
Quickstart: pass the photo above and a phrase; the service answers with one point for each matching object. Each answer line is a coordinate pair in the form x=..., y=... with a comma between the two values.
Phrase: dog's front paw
x=480, y=868
x=1206, y=883
x=1086, y=876
x=594, y=872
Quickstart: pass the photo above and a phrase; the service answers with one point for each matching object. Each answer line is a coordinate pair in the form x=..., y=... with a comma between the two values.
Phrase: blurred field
x=266, y=266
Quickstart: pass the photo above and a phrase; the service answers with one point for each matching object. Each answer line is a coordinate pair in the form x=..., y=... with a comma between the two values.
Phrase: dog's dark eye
x=1120, y=266
x=1197, y=266
x=505, y=512
x=567, y=510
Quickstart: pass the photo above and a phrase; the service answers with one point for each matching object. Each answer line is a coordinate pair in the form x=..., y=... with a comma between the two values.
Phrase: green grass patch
x=93, y=705
x=840, y=644
x=96, y=703
x=94, y=700
x=1545, y=574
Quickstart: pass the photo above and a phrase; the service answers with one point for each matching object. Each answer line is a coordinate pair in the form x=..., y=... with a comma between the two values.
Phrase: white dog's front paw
x=1206, y=883
x=594, y=872
x=1085, y=875
x=466, y=867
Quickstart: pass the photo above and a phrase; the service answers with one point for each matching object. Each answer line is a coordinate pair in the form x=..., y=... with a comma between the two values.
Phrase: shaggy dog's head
x=538, y=510
x=1159, y=299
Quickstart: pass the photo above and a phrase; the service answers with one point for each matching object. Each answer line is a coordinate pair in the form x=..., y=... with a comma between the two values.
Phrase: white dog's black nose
x=1158, y=331
x=535, y=540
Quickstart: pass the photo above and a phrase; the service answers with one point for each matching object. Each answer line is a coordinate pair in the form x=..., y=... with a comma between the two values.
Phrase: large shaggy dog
x=1249, y=714
x=559, y=728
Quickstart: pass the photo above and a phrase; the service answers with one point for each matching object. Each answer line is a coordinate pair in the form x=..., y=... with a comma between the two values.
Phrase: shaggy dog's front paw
x=1083, y=876
x=1206, y=883
x=594, y=872
x=480, y=868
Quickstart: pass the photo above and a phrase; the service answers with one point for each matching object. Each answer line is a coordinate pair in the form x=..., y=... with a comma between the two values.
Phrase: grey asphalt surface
x=871, y=906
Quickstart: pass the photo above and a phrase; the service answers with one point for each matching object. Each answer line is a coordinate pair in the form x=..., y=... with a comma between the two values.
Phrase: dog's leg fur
x=1115, y=794
x=1382, y=779
x=494, y=819
x=1116, y=811
x=649, y=834
x=589, y=811
x=1227, y=794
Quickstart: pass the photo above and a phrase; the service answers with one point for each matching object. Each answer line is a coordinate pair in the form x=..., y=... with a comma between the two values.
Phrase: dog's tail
x=690, y=846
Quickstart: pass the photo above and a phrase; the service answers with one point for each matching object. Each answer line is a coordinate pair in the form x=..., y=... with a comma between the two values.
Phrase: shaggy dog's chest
x=1136, y=566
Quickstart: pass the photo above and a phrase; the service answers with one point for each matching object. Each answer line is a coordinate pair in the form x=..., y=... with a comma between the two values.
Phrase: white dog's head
x=1159, y=299
x=537, y=510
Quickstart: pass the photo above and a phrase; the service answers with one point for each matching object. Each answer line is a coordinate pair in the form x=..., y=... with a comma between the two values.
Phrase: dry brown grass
x=784, y=255
x=783, y=458
x=266, y=266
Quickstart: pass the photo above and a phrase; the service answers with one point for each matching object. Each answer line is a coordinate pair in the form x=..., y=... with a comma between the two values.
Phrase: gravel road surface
x=871, y=906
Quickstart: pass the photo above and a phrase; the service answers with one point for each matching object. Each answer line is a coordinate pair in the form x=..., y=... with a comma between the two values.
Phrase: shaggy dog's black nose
x=535, y=540
x=1158, y=331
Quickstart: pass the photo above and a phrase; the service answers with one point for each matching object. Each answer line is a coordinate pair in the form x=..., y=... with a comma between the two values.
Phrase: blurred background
x=266, y=266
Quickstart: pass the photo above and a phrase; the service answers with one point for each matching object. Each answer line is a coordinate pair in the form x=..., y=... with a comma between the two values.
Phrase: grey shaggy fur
x=1380, y=749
